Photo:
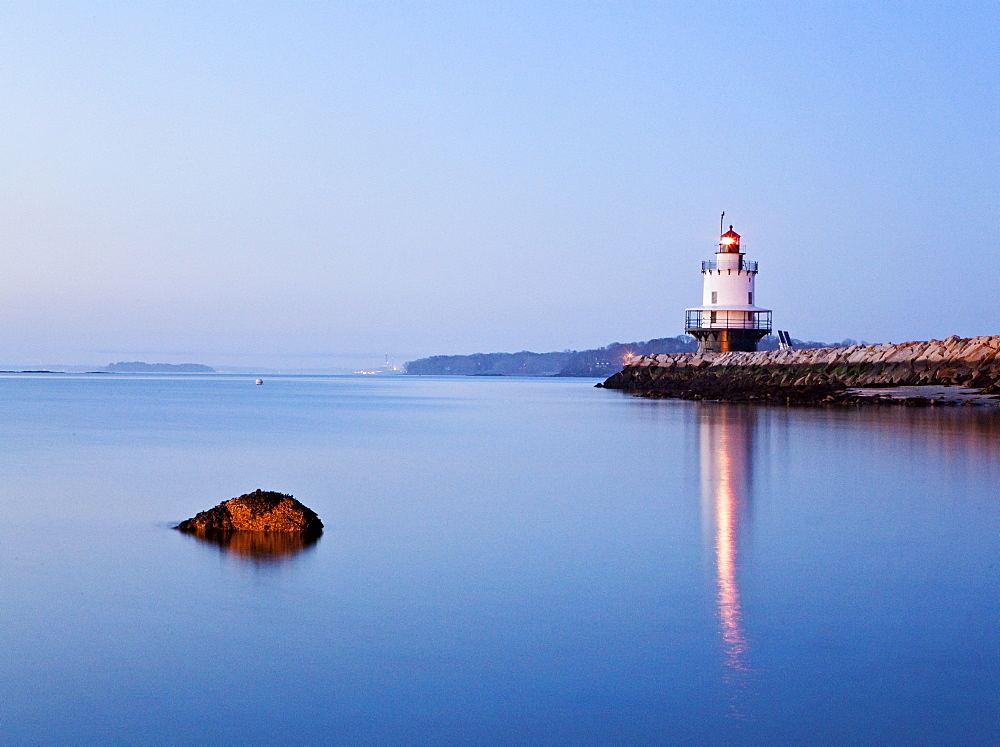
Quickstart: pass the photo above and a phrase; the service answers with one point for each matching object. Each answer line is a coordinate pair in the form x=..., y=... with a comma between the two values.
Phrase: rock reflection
x=726, y=459
x=258, y=547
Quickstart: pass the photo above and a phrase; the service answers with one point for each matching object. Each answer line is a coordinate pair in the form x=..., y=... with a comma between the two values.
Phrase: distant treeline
x=600, y=362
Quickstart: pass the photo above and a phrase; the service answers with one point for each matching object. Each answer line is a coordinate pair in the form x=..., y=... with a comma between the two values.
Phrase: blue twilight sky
x=314, y=184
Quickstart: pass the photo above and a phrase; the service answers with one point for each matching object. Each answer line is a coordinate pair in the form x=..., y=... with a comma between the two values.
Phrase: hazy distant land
x=142, y=367
x=598, y=362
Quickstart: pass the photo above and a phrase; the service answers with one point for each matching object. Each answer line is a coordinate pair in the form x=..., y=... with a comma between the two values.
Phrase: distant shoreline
x=597, y=362
x=143, y=367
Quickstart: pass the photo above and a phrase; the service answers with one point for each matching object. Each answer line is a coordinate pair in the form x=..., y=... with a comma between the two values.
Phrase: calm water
x=505, y=561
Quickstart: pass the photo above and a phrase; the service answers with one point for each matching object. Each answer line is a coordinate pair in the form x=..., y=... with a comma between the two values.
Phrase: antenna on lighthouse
x=720, y=221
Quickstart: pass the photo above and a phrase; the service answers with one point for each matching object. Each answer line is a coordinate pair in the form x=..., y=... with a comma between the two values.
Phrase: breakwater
x=818, y=375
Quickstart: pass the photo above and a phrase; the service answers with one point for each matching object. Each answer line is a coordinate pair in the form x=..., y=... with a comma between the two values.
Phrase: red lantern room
x=730, y=242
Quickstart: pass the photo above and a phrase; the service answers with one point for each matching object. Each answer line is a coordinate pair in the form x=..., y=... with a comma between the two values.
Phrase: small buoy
x=259, y=382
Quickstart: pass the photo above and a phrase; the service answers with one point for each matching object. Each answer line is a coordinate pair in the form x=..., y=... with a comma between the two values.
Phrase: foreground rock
x=819, y=375
x=260, y=511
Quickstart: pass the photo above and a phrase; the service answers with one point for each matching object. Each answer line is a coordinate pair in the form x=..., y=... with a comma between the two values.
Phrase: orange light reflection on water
x=726, y=521
x=726, y=446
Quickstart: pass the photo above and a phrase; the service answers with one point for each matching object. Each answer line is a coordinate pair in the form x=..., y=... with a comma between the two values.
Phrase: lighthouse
x=728, y=318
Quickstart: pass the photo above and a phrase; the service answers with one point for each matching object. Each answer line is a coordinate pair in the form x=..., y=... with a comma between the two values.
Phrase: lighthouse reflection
x=726, y=457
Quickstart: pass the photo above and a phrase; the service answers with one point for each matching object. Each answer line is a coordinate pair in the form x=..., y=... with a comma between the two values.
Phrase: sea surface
x=505, y=561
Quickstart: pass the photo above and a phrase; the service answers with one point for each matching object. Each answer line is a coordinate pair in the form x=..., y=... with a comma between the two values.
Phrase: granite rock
x=260, y=511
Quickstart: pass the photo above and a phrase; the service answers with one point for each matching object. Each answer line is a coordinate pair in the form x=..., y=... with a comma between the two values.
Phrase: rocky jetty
x=260, y=511
x=819, y=375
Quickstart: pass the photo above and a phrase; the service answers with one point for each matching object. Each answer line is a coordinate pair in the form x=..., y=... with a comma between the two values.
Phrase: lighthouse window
x=712, y=315
x=750, y=298
x=715, y=296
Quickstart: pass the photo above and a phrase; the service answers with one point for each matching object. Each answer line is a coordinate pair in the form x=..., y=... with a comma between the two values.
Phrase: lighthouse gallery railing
x=746, y=320
x=711, y=264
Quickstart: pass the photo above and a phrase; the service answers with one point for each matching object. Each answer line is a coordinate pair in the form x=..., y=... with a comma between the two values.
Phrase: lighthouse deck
x=742, y=317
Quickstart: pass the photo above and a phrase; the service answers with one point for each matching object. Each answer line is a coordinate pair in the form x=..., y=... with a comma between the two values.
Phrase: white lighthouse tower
x=728, y=318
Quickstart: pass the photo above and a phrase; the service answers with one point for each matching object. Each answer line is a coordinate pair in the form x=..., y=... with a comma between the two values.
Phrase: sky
x=316, y=184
